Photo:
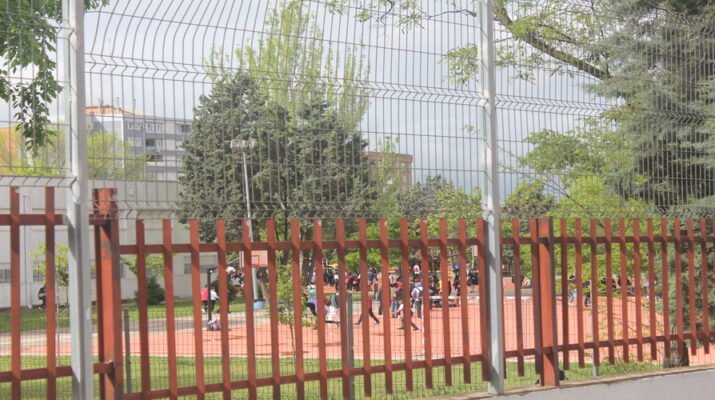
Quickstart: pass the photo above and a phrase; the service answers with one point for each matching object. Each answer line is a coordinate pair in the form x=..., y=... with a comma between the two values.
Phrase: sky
x=150, y=57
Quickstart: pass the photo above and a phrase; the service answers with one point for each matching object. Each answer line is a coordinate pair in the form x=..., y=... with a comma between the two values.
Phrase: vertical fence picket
x=545, y=298
x=142, y=307
x=50, y=293
x=594, y=294
x=638, y=285
x=196, y=308
x=170, y=307
x=518, y=282
x=444, y=271
x=250, y=317
x=426, y=298
x=679, y=300
x=609, y=291
x=650, y=237
x=536, y=294
x=623, y=278
x=405, y=299
x=484, y=332
x=580, y=302
x=384, y=304
x=223, y=307
x=364, y=312
x=109, y=320
x=664, y=287
x=320, y=308
x=297, y=307
x=15, y=347
x=345, y=372
x=691, y=287
x=563, y=230
x=464, y=299
x=704, y=284
x=273, y=308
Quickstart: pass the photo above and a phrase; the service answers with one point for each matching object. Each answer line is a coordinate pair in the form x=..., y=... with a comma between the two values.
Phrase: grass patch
x=212, y=369
x=35, y=319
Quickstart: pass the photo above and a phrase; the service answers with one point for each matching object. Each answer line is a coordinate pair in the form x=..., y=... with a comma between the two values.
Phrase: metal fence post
x=79, y=297
x=351, y=353
x=127, y=351
x=487, y=82
x=546, y=304
x=109, y=297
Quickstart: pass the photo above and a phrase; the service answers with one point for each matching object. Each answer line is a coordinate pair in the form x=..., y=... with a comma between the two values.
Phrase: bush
x=155, y=293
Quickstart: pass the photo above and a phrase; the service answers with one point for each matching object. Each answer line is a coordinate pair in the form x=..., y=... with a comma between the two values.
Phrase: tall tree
x=308, y=159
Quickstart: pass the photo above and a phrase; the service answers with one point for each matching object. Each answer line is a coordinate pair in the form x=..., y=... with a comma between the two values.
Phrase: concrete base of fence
x=681, y=384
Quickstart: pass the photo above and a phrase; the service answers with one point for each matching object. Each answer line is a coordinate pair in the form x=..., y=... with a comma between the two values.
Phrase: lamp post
x=244, y=145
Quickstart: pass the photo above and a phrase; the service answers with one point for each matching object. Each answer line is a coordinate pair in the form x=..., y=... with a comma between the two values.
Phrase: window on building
x=159, y=127
x=183, y=128
x=155, y=157
x=150, y=142
x=5, y=275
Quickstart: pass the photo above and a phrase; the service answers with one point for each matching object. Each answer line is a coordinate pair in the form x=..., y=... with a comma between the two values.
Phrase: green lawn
x=212, y=369
x=35, y=319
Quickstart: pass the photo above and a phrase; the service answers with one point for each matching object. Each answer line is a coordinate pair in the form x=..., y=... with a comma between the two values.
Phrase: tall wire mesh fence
x=363, y=109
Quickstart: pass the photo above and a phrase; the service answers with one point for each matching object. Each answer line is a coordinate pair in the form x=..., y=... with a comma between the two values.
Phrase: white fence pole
x=487, y=79
x=80, y=302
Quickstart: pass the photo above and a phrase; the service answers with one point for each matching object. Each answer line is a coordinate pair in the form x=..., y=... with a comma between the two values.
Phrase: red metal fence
x=578, y=304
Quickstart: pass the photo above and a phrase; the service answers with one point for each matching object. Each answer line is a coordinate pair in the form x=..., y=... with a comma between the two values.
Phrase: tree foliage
x=309, y=157
x=28, y=41
x=108, y=157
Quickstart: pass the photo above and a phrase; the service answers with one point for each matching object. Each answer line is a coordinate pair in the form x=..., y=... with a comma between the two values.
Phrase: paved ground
x=35, y=344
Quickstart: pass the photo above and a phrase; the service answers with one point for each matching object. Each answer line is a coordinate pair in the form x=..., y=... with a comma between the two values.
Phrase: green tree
x=309, y=157
x=29, y=41
x=109, y=157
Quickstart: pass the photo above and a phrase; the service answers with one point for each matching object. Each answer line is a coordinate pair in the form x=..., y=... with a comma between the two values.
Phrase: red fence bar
x=564, y=291
x=273, y=306
x=142, y=297
x=169, y=302
x=609, y=291
x=691, y=286
x=298, y=307
x=384, y=304
x=250, y=318
x=15, y=361
x=223, y=307
x=679, y=302
x=651, y=290
x=518, y=282
x=547, y=305
x=637, y=272
x=364, y=312
x=50, y=294
x=444, y=271
x=426, y=299
x=704, y=284
x=407, y=311
x=196, y=305
x=463, y=299
x=342, y=293
x=109, y=296
x=579, y=294
x=538, y=342
x=594, y=293
x=623, y=278
x=664, y=293
x=484, y=332
x=320, y=309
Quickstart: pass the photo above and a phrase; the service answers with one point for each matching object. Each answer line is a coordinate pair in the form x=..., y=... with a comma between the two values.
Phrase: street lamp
x=244, y=145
